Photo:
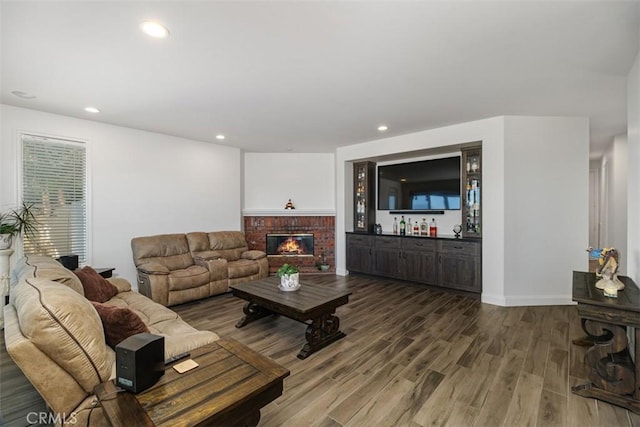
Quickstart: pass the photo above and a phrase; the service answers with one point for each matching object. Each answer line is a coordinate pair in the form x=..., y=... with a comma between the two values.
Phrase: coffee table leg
x=320, y=333
x=252, y=312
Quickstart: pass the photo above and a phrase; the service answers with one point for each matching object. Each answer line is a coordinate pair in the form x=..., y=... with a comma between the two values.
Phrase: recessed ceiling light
x=91, y=110
x=382, y=128
x=154, y=29
x=221, y=136
x=23, y=95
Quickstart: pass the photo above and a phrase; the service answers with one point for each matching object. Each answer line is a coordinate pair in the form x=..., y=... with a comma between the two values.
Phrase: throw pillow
x=96, y=288
x=118, y=323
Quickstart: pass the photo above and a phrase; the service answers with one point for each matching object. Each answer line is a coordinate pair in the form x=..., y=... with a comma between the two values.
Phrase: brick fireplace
x=322, y=228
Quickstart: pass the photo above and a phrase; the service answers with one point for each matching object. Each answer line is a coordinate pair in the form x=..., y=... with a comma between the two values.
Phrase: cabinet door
x=420, y=267
x=359, y=253
x=359, y=258
x=387, y=262
x=364, y=197
x=459, y=272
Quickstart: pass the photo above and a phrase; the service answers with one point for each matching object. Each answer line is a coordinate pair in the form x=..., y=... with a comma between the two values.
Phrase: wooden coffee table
x=229, y=388
x=312, y=302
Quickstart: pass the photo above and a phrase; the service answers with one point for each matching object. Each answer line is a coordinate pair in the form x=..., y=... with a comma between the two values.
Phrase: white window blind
x=54, y=182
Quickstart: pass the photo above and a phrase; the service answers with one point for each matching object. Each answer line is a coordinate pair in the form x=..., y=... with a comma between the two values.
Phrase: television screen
x=425, y=185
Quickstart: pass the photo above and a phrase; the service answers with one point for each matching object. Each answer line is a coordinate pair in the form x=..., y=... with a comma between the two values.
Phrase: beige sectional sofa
x=56, y=337
x=177, y=268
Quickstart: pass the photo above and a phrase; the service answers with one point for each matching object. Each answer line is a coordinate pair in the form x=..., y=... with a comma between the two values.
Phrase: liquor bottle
x=416, y=229
x=395, y=225
x=403, y=226
x=433, y=228
x=424, y=228
x=409, y=227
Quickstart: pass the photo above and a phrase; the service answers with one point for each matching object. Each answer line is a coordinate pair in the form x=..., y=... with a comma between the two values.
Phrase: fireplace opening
x=290, y=244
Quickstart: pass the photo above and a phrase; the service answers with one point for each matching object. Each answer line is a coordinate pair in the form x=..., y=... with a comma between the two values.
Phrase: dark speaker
x=139, y=361
x=69, y=261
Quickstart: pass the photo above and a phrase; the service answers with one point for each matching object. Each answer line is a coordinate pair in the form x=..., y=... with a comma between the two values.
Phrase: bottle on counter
x=416, y=229
x=409, y=226
x=424, y=227
x=395, y=225
x=433, y=228
x=403, y=226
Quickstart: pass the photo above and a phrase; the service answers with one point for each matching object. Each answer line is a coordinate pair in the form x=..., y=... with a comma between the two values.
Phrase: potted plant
x=16, y=221
x=322, y=263
x=289, y=277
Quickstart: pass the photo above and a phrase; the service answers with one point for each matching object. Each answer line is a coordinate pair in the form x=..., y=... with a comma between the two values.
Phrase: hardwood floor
x=413, y=356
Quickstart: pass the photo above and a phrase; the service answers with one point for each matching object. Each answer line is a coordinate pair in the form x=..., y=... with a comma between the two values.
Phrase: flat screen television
x=420, y=186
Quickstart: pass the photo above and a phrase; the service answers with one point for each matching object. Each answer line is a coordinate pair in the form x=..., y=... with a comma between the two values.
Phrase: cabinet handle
x=439, y=259
x=458, y=247
x=399, y=255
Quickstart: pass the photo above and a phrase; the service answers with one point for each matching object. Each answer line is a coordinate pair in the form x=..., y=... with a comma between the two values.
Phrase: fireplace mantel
x=288, y=212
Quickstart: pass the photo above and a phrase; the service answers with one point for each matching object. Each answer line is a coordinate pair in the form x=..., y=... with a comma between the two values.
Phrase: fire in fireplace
x=290, y=244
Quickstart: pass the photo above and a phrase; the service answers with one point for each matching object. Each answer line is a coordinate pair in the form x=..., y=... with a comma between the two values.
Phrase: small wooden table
x=613, y=376
x=229, y=388
x=312, y=302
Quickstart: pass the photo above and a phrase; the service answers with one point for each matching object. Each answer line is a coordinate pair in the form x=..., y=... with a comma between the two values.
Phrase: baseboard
x=528, y=300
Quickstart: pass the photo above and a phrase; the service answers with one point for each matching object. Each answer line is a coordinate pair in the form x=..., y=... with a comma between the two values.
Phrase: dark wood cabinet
x=471, y=192
x=364, y=197
x=449, y=263
x=388, y=257
x=359, y=253
x=420, y=260
x=459, y=266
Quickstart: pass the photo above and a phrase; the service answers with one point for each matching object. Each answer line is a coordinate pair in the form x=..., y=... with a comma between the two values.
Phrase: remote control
x=176, y=358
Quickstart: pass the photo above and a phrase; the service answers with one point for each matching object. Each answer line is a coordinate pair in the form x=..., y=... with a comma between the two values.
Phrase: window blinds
x=54, y=182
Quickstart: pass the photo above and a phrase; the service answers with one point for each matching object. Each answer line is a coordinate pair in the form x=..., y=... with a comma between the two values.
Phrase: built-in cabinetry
x=364, y=209
x=359, y=253
x=471, y=194
x=447, y=262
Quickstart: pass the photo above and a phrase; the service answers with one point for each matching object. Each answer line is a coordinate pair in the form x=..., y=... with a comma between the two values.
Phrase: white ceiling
x=313, y=76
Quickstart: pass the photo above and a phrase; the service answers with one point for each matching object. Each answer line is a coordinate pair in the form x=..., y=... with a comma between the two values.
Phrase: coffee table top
x=309, y=297
x=230, y=375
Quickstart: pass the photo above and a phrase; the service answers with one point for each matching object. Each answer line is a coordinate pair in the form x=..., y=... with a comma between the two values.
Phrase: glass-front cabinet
x=364, y=212
x=472, y=198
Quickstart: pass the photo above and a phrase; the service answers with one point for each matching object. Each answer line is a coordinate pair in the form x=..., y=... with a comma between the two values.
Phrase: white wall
x=549, y=157
x=633, y=191
x=308, y=179
x=614, y=198
x=546, y=199
x=141, y=183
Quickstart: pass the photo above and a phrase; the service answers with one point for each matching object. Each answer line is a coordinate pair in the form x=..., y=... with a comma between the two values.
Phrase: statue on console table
x=608, y=270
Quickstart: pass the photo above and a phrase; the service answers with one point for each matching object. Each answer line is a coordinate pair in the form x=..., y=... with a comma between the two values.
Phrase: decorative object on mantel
x=289, y=277
x=289, y=205
x=322, y=262
x=608, y=261
x=456, y=230
x=21, y=220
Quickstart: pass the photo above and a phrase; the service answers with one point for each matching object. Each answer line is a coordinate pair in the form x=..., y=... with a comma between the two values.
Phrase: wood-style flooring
x=413, y=356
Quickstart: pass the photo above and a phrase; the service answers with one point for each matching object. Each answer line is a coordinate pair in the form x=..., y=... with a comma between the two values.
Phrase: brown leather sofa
x=177, y=268
x=55, y=336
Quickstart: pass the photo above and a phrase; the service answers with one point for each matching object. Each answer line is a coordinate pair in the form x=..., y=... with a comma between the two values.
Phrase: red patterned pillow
x=96, y=288
x=118, y=323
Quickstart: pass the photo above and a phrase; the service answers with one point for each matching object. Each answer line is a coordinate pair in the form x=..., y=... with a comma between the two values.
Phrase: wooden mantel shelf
x=289, y=212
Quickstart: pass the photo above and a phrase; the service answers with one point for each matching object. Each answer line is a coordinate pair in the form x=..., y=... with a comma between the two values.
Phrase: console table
x=613, y=376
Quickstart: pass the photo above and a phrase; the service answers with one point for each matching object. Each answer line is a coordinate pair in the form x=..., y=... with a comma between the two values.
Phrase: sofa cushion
x=243, y=268
x=170, y=250
x=96, y=288
x=119, y=323
x=230, y=244
x=65, y=326
x=45, y=267
x=188, y=278
x=149, y=311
